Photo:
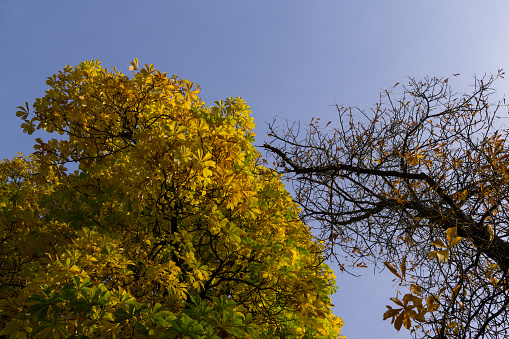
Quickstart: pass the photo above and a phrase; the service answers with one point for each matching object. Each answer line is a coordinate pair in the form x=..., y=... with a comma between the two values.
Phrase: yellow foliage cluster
x=169, y=226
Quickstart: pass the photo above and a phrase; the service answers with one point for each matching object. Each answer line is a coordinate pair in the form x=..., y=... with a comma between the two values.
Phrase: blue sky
x=291, y=59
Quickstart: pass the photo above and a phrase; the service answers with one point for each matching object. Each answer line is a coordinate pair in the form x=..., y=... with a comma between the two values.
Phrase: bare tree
x=420, y=183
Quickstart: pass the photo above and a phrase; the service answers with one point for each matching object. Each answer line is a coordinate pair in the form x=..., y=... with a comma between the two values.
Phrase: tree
x=419, y=183
x=168, y=228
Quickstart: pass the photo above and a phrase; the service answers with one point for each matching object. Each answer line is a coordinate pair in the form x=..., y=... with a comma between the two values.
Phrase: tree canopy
x=420, y=184
x=169, y=227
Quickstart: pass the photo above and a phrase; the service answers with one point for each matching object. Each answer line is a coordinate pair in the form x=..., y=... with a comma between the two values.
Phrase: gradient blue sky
x=291, y=59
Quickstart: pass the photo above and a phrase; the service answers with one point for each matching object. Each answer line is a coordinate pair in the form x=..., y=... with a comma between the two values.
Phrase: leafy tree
x=419, y=183
x=168, y=228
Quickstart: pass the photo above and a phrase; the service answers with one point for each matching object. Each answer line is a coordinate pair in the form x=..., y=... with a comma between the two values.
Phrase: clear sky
x=291, y=59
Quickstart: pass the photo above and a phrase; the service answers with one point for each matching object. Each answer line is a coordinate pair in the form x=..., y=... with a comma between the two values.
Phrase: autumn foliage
x=151, y=216
x=417, y=184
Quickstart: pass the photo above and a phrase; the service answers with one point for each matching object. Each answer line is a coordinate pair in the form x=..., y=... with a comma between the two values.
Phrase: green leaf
x=16, y=327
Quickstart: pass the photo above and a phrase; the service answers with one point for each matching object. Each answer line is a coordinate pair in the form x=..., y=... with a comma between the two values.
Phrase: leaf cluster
x=421, y=178
x=169, y=226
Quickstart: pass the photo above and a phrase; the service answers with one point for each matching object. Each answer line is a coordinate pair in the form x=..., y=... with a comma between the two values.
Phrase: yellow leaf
x=416, y=289
x=455, y=241
x=391, y=312
x=490, y=231
x=431, y=303
x=455, y=292
x=392, y=269
x=438, y=243
x=432, y=255
x=403, y=268
x=407, y=319
x=451, y=232
x=397, y=302
x=399, y=321
x=443, y=255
